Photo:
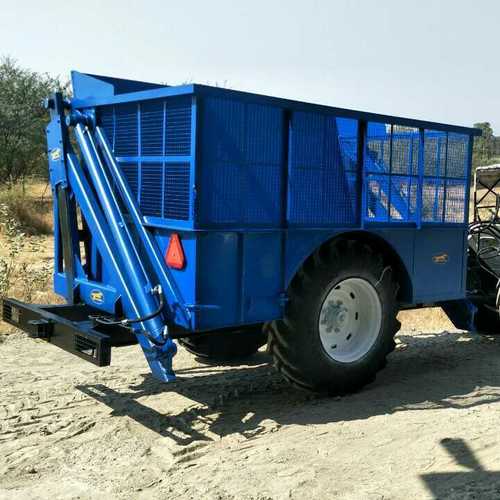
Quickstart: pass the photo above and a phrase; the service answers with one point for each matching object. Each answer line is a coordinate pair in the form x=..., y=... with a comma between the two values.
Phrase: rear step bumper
x=68, y=327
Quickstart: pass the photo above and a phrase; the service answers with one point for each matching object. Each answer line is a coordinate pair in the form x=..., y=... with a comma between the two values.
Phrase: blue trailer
x=225, y=220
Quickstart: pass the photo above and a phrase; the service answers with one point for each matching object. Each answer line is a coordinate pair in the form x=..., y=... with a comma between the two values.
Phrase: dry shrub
x=32, y=212
x=18, y=278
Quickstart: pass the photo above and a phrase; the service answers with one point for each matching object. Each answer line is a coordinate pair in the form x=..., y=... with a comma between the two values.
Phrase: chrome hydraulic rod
x=150, y=246
x=140, y=287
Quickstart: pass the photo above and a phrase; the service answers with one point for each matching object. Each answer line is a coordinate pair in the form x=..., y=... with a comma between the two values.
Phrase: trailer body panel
x=253, y=185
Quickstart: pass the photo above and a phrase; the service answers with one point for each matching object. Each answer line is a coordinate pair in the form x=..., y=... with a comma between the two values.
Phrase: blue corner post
x=88, y=185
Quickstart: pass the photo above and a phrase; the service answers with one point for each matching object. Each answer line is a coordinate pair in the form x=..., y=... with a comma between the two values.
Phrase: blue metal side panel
x=262, y=276
x=218, y=286
x=239, y=279
x=323, y=186
x=262, y=182
x=86, y=85
x=439, y=263
x=185, y=278
x=241, y=172
x=432, y=255
x=154, y=143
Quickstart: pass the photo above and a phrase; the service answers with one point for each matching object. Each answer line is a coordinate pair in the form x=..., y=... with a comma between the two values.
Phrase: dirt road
x=427, y=428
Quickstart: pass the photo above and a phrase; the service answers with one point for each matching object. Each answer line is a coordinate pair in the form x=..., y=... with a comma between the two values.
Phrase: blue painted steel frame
x=203, y=308
x=179, y=313
x=108, y=231
x=204, y=90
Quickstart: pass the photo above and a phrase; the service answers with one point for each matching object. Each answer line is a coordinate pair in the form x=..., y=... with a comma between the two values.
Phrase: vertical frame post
x=445, y=179
x=193, y=194
x=389, y=197
x=421, y=156
x=361, y=173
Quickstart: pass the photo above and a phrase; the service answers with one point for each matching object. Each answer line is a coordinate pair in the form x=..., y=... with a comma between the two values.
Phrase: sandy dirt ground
x=427, y=428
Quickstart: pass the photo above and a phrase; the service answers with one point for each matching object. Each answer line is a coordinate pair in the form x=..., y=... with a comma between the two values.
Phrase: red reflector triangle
x=175, y=254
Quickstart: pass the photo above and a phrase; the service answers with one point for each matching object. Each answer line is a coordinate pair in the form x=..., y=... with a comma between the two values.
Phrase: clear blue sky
x=437, y=60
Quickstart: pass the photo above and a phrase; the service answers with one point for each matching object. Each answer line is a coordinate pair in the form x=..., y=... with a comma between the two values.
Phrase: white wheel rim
x=349, y=320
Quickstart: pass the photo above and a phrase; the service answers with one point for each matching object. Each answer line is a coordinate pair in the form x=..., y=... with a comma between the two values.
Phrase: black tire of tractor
x=487, y=321
x=226, y=346
x=295, y=343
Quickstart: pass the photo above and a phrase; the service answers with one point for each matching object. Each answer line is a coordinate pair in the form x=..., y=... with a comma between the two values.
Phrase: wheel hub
x=350, y=320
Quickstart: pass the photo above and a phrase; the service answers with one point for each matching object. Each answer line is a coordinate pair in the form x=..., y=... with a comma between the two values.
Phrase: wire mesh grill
x=323, y=175
x=252, y=154
x=151, y=189
x=152, y=128
x=402, y=191
x=242, y=171
x=145, y=137
x=131, y=172
x=176, y=191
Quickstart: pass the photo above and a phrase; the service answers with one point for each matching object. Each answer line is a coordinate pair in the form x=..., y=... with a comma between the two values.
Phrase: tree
x=484, y=146
x=23, y=120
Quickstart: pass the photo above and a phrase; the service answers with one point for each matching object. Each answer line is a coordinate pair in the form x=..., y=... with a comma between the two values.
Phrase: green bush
x=23, y=120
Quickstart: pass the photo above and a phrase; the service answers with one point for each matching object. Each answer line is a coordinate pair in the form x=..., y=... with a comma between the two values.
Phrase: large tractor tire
x=340, y=320
x=487, y=321
x=226, y=346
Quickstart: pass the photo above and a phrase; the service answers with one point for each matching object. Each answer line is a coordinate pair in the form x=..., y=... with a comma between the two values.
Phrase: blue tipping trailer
x=223, y=219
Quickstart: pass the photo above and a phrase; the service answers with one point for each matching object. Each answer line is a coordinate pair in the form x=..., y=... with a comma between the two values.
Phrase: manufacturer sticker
x=440, y=258
x=55, y=154
x=96, y=296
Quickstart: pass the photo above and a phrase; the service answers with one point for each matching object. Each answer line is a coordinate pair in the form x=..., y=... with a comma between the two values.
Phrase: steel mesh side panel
x=455, y=201
x=445, y=172
x=131, y=172
x=405, y=189
x=151, y=189
x=223, y=149
x=404, y=152
x=378, y=148
x=377, y=169
x=178, y=127
x=404, y=146
x=398, y=190
x=348, y=147
x=108, y=123
x=377, y=193
x=150, y=133
x=458, y=146
x=176, y=191
x=456, y=172
x=152, y=127
x=263, y=170
x=323, y=178
x=126, y=130
x=434, y=153
x=307, y=152
x=242, y=169
x=379, y=188
x=432, y=200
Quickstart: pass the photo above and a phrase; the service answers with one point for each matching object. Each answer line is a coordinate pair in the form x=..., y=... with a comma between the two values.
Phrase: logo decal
x=97, y=296
x=55, y=154
x=440, y=258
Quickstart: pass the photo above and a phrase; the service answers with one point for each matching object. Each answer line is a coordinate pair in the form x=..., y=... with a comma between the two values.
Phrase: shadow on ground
x=431, y=371
x=474, y=483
